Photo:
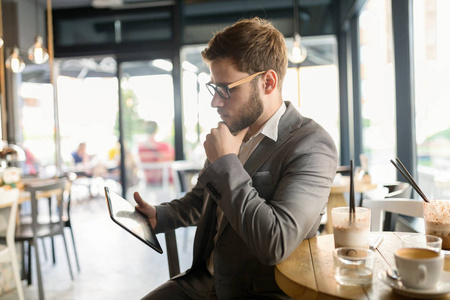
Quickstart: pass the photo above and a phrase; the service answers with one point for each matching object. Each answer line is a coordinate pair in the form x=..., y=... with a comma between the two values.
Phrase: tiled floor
x=114, y=264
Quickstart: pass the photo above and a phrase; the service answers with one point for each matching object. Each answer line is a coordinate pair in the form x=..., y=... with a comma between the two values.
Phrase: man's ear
x=270, y=81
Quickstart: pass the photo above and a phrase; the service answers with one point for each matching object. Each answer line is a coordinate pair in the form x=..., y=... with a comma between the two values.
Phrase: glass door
x=147, y=113
x=378, y=90
x=88, y=96
x=93, y=105
x=32, y=120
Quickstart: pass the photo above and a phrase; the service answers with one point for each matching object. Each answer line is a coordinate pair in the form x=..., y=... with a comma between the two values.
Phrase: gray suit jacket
x=270, y=205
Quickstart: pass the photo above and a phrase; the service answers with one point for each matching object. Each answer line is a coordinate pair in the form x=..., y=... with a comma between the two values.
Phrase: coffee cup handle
x=422, y=274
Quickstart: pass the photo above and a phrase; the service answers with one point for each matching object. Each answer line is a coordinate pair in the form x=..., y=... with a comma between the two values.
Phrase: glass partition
x=88, y=112
x=88, y=100
x=148, y=126
x=432, y=94
x=313, y=86
x=198, y=115
x=36, y=112
x=378, y=89
x=32, y=118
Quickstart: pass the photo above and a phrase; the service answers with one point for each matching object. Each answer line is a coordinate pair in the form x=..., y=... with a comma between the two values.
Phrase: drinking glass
x=351, y=234
x=353, y=266
x=422, y=241
x=437, y=220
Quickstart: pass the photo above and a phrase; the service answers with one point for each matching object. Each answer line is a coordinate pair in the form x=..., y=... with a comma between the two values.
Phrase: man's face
x=245, y=105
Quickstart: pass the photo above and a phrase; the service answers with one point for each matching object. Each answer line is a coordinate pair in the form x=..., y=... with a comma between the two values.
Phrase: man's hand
x=220, y=141
x=146, y=209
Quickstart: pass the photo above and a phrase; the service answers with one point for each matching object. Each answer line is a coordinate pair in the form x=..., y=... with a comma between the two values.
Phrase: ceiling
x=63, y=4
x=129, y=4
x=195, y=9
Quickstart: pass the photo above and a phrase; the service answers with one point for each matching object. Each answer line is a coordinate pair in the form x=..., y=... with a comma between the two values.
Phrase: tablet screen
x=125, y=215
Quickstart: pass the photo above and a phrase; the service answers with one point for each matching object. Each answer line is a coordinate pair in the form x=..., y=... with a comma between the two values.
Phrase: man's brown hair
x=253, y=44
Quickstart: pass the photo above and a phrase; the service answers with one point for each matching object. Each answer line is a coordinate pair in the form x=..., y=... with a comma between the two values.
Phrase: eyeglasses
x=224, y=90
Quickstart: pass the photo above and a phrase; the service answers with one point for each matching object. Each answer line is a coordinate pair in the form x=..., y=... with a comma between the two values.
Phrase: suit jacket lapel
x=291, y=120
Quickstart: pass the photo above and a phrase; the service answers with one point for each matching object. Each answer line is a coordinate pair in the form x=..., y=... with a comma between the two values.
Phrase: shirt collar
x=270, y=129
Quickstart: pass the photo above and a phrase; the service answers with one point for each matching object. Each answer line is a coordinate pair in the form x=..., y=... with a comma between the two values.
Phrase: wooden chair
x=8, y=251
x=30, y=232
x=407, y=207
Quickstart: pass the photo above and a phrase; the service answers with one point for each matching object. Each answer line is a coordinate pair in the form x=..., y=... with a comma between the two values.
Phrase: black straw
x=352, y=196
x=399, y=165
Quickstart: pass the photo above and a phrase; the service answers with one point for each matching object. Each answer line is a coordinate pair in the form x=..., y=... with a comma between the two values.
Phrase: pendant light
x=298, y=52
x=38, y=53
x=14, y=62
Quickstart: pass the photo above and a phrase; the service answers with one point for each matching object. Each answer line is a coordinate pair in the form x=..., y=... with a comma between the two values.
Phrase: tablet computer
x=124, y=214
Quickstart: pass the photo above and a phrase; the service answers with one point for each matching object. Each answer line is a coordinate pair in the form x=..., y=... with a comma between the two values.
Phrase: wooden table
x=308, y=272
x=24, y=196
x=337, y=198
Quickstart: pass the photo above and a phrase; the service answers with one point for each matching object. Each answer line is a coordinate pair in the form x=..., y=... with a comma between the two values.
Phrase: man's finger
x=222, y=124
x=138, y=199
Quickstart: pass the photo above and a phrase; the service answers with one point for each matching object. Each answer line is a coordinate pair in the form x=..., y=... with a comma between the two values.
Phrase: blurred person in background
x=32, y=164
x=152, y=151
x=81, y=155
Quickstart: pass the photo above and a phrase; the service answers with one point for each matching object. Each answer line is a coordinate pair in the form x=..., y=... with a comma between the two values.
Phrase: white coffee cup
x=419, y=268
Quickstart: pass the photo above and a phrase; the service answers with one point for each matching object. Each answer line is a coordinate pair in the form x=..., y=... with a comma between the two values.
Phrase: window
x=432, y=94
x=37, y=137
x=148, y=125
x=198, y=115
x=88, y=110
x=378, y=89
x=316, y=83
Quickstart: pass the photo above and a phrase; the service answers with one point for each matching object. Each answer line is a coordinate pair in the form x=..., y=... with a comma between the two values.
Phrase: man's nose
x=217, y=101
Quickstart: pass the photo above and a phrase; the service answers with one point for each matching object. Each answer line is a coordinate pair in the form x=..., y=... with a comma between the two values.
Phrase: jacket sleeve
x=182, y=212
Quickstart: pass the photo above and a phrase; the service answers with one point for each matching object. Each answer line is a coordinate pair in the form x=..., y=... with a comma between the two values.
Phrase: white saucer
x=441, y=289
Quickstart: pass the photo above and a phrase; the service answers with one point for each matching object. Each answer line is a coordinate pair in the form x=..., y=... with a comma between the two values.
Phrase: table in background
x=308, y=273
x=24, y=196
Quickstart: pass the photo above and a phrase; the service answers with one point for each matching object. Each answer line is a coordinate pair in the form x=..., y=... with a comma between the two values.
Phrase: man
x=266, y=181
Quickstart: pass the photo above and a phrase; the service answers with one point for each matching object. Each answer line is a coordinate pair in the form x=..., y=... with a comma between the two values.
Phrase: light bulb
x=37, y=53
x=1, y=42
x=14, y=62
x=298, y=52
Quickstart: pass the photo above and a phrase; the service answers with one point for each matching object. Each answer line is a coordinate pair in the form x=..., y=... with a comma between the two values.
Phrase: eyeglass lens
x=221, y=90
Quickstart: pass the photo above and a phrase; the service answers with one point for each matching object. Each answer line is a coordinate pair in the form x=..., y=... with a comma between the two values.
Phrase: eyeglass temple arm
x=244, y=80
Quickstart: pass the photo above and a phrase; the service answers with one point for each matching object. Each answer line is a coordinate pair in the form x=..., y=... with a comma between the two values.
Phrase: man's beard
x=249, y=112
